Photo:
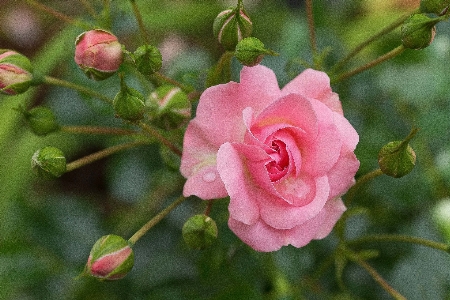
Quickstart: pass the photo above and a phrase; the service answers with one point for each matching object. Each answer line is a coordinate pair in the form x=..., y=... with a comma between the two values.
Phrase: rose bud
x=49, y=162
x=397, y=158
x=250, y=51
x=128, y=103
x=148, y=59
x=231, y=26
x=418, y=31
x=170, y=107
x=199, y=231
x=438, y=7
x=15, y=72
x=98, y=53
x=41, y=120
x=111, y=258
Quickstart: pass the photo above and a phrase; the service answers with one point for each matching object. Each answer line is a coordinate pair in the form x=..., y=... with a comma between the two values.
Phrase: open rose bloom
x=284, y=157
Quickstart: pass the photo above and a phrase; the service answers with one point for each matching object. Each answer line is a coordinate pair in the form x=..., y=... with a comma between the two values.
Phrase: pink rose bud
x=98, y=53
x=15, y=72
x=111, y=258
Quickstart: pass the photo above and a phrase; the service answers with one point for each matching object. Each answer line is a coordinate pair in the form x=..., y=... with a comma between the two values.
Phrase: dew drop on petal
x=209, y=177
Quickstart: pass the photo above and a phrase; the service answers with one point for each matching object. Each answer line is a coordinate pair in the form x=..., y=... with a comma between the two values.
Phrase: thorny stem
x=155, y=220
x=97, y=130
x=367, y=42
x=402, y=239
x=163, y=140
x=383, y=58
x=101, y=154
x=377, y=277
x=140, y=21
x=311, y=27
x=79, y=88
x=59, y=15
x=361, y=181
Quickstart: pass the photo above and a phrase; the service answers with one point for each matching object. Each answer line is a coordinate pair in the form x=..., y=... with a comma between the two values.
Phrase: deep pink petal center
x=278, y=167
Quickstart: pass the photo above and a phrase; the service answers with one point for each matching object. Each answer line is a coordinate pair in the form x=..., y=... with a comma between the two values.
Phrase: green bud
x=170, y=107
x=41, y=120
x=418, y=31
x=199, y=231
x=438, y=7
x=231, y=26
x=397, y=158
x=128, y=103
x=148, y=59
x=15, y=72
x=111, y=258
x=250, y=51
x=49, y=162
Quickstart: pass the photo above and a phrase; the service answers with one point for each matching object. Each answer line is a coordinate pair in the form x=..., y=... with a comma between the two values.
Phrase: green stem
x=155, y=220
x=101, y=154
x=153, y=132
x=163, y=77
x=383, y=58
x=361, y=181
x=371, y=39
x=312, y=32
x=89, y=8
x=377, y=277
x=402, y=239
x=76, y=87
x=138, y=16
x=97, y=130
x=59, y=15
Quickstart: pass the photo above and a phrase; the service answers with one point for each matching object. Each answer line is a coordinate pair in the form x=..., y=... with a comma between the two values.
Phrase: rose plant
x=284, y=156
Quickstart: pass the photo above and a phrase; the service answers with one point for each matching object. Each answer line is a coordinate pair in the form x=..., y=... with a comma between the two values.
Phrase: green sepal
x=148, y=59
x=49, y=162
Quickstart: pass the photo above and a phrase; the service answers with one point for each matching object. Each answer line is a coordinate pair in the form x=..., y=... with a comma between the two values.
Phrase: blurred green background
x=47, y=228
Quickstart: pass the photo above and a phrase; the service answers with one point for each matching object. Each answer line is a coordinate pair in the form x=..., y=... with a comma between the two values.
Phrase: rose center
x=278, y=167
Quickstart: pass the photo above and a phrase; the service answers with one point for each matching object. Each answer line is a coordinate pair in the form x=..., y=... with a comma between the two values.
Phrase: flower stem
x=155, y=220
x=361, y=181
x=76, y=87
x=163, y=77
x=312, y=32
x=138, y=16
x=59, y=15
x=89, y=8
x=97, y=130
x=383, y=58
x=402, y=239
x=153, y=132
x=101, y=154
x=367, y=42
x=377, y=277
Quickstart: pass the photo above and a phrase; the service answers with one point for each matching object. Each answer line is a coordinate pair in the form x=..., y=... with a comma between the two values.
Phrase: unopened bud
x=98, y=53
x=397, y=158
x=250, y=51
x=418, y=31
x=231, y=26
x=15, y=72
x=199, y=231
x=41, y=120
x=148, y=59
x=438, y=7
x=170, y=107
x=129, y=103
x=111, y=258
x=49, y=162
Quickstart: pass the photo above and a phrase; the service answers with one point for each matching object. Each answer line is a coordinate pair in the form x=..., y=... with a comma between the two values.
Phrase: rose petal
x=348, y=134
x=282, y=215
x=259, y=236
x=341, y=176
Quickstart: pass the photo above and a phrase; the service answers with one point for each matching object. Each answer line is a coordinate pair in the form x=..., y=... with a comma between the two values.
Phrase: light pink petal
x=235, y=163
x=198, y=165
x=282, y=215
x=259, y=236
x=341, y=176
x=314, y=84
x=348, y=134
x=317, y=228
x=289, y=111
x=297, y=190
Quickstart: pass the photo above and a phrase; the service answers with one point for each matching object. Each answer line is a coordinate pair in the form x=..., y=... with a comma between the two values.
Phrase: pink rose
x=283, y=156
